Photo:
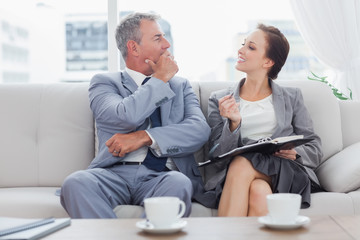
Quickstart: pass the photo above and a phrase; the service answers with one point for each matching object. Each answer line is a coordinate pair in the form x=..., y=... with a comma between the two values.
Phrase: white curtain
x=331, y=28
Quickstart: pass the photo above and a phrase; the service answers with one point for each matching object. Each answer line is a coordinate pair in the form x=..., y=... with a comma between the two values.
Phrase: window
x=52, y=41
x=207, y=34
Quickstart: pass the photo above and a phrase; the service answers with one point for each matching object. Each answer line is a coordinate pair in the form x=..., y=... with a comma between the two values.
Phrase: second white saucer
x=175, y=227
x=300, y=221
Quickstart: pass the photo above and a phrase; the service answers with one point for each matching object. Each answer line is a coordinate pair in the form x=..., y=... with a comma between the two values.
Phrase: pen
x=212, y=150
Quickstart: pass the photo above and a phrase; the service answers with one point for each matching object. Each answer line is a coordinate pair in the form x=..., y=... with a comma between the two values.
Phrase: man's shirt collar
x=136, y=76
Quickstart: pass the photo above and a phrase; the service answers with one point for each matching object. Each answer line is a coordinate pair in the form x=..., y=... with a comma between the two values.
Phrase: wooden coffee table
x=351, y=224
x=320, y=227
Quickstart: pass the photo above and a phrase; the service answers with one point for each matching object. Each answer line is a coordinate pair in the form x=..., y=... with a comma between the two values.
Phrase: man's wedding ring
x=116, y=152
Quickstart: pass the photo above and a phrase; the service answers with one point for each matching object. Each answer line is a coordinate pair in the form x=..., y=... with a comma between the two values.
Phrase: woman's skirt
x=287, y=176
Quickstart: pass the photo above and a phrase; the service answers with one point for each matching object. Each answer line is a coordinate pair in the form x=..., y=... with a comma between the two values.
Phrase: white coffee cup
x=283, y=207
x=162, y=212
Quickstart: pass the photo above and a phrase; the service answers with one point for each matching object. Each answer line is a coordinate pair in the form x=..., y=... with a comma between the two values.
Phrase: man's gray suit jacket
x=120, y=106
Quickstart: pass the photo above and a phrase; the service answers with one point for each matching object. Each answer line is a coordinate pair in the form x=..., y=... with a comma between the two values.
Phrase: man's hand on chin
x=165, y=68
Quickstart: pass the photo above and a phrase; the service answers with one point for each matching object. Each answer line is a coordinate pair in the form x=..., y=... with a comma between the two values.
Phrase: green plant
x=335, y=91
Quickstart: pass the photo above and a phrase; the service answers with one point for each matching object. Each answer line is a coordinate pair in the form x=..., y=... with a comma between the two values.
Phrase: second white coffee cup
x=283, y=207
x=162, y=212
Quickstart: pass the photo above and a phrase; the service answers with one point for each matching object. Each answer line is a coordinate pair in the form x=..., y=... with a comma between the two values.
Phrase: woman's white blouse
x=258, y=118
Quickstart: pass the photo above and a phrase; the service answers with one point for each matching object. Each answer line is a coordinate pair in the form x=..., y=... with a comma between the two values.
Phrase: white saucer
x=300, y=221
x=148, y=227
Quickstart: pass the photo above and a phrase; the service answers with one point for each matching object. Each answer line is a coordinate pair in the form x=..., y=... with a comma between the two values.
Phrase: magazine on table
x=30, y=229
x=264, y=145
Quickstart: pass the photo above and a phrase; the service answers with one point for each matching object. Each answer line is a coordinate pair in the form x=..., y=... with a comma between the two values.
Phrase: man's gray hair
x=129, y=29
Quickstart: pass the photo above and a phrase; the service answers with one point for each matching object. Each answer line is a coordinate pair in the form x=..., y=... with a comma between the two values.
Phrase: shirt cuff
x=154, y=144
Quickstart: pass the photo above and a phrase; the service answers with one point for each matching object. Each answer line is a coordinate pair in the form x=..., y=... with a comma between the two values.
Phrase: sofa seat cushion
x=355, y=196
x=129, y=211
x=330, y=203
x=341, y=172
x=132, y=211
x=31, y=202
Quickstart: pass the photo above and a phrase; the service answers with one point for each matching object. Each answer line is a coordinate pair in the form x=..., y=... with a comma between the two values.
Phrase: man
x=149, y=125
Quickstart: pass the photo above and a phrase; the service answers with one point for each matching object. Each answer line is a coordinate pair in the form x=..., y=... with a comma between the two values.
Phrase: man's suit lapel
x=128, y=82
x=130, y=85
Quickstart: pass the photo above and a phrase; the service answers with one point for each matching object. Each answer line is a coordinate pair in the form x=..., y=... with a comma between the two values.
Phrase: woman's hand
x=229, y=108
x=288, y=154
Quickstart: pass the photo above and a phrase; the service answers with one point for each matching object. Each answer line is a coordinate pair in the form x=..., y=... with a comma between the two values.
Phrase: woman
x=258, y=108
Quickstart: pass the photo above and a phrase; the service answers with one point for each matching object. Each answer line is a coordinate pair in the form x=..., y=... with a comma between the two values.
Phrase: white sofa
x=47, y=132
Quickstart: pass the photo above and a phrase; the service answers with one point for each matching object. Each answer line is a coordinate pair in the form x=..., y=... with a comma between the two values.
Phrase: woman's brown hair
x=277, y=49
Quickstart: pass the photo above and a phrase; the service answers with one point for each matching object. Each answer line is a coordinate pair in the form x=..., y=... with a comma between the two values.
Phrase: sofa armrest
x=350, y=118
x=341, y=172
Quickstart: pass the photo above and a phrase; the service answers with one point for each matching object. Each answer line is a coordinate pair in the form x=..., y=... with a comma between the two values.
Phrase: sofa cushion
x=132, y=211
x=355, y=196
x=129, y=211
x=30, y=202
x=323, y=107
x=47, y=132
x=341, y=172
x=329, y=203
